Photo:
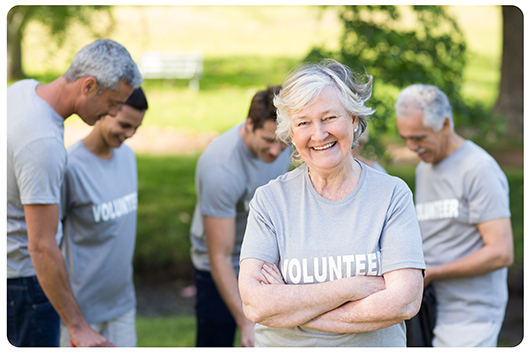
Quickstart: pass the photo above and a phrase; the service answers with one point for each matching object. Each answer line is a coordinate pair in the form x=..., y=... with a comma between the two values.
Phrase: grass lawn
x=169, y=331
x=175, y=331
x=166, y=198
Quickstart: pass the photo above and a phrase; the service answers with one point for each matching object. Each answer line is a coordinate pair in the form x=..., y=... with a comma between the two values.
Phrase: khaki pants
x=473, y=334
x=121, y=331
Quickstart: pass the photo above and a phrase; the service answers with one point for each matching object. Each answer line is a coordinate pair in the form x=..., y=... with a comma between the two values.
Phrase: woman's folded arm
x=269, y=301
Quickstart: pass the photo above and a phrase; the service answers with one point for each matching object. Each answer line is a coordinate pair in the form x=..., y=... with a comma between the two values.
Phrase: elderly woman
x=332, y=252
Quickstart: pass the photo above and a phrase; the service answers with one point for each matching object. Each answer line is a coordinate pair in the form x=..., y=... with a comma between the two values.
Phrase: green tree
x=56, y=18
x=400, y=46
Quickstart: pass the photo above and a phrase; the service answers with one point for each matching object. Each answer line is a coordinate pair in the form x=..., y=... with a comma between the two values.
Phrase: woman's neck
x=338, y=184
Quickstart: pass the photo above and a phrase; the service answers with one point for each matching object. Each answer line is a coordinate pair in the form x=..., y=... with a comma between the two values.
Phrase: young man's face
x=115, y=130
x=430, y=145
x=264, y=143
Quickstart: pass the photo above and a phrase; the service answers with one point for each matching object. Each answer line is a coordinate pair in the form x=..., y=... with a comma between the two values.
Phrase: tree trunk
x=510, y=101
x=17, y=18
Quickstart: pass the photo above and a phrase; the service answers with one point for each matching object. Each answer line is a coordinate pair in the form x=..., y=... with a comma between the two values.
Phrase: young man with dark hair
x=228, y=173
x=98, y=206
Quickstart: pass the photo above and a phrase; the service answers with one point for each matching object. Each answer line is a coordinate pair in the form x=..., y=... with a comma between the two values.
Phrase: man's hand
x=247, y=334
x=87, y=337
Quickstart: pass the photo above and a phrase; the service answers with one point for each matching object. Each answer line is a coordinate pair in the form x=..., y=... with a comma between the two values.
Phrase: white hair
x=304, y=84
x=428, y=98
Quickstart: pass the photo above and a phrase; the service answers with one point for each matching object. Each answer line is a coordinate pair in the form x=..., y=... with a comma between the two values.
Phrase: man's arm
x=51, y=272
x=496, y=253
x=220, y=239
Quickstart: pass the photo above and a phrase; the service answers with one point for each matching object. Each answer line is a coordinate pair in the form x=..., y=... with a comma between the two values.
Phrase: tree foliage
x=56, y=18
x=400, y=46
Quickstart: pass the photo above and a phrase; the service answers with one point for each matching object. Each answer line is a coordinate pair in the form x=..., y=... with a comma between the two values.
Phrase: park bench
x=173, y=65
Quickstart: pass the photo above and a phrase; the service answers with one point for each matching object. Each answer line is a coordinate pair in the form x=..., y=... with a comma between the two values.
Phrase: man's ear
x=249, y=125
x=89, y=86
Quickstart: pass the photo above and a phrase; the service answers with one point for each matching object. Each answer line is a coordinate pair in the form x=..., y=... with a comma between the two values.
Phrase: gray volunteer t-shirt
x=36, y=161
x=370, y=232
x=452, y=197
x=226, y=178
x=99, y=205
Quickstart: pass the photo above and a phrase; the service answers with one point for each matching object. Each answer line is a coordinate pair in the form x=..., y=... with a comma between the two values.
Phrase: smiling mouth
x=325, y=147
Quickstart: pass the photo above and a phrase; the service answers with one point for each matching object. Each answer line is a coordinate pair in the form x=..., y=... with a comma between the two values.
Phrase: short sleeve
x=39, y=169
x=220, y=192
x=487, y=193
x=401, y=243
x=260, y=240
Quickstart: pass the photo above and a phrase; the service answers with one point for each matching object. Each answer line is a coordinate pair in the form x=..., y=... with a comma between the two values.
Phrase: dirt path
x=152, y=139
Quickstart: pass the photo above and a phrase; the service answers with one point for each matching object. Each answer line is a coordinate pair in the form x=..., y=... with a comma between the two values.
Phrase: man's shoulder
x=22, y=85
x=125, y=151
x=475, y=158
x=30, y=118
x=285, y=183
x=226, y=149
x=76, y=151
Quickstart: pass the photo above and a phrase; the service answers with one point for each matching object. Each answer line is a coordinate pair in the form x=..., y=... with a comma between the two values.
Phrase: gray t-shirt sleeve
x=400, y=238
x=263, y=243
x=39, y=169
x=487, y=193
x=220, y=192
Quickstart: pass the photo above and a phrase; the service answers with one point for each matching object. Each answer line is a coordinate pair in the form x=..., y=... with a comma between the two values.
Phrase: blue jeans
x=215, y=325
x=31, y=319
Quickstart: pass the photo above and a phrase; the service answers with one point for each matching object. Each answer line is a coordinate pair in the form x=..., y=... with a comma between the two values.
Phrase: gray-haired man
x=462, y=205
x=101, y=77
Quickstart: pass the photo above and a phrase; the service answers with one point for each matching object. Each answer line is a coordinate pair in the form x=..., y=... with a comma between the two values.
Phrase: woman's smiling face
x=323, y=132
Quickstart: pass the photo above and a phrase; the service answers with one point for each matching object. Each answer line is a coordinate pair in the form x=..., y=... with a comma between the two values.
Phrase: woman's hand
x=272, y=274
x=400, y=301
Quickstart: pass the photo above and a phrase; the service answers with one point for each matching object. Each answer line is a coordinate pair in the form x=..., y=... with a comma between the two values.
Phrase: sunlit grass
x=246, y=48
x=173, y=331
x=169, y=331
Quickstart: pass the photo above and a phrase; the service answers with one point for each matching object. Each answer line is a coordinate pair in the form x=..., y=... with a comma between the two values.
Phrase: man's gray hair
x=428, y=98
x=304, y=84
x=108, y=62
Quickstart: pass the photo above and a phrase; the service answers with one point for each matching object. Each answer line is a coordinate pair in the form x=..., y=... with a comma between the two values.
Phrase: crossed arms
x=348, y=305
